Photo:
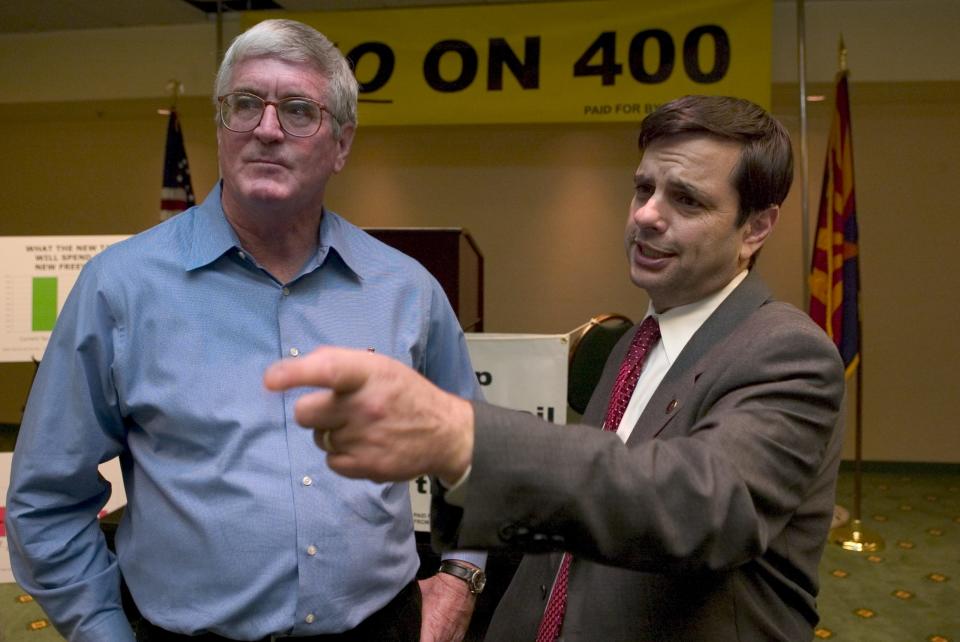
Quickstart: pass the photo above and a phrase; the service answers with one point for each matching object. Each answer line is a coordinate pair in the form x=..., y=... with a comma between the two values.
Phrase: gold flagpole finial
x=174, y=88
x=842, y=54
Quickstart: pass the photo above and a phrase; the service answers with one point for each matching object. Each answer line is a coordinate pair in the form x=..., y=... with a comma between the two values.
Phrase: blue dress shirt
x=234, y=523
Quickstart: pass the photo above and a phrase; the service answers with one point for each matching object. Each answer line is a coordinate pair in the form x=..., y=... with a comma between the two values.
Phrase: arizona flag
x=835, y=272
x=176, y=194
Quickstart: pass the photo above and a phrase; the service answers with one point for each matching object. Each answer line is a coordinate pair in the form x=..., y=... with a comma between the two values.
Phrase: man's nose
x=648, y=213
x=269, y=127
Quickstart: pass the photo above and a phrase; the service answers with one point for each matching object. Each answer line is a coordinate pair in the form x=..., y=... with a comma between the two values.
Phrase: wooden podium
x=452, y=257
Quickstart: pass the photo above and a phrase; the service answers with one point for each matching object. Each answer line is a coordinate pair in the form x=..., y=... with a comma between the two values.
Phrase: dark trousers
x=398, y=621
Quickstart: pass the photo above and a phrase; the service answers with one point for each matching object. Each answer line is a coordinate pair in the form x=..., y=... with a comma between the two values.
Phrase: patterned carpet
x=909, y=591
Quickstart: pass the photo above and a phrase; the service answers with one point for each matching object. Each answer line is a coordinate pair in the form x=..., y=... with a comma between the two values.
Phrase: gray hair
x=294, y=41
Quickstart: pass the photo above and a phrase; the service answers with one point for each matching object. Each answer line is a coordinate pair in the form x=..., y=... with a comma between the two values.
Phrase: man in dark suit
x=701, y=510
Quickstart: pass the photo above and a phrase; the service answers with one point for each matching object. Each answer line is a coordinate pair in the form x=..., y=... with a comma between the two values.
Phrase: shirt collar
x=341, y=236
x=678, y=325
x=212, y=236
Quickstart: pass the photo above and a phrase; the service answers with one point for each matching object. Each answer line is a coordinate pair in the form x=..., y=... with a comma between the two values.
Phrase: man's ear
x=344, y=143
x=758, y=227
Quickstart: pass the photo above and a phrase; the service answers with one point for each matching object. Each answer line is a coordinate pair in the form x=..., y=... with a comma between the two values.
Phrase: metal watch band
x=474, y=577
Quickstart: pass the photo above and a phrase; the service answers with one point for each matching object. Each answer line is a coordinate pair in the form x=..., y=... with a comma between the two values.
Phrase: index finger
x=339, y=369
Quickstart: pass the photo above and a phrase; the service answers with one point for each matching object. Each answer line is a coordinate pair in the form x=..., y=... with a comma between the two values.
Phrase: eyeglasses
x=241, y=112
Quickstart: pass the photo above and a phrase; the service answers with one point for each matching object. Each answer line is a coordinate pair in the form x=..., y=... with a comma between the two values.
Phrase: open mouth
x=650, y=253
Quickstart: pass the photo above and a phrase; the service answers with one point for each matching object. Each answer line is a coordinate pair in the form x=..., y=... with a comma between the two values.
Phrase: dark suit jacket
x=707, y=525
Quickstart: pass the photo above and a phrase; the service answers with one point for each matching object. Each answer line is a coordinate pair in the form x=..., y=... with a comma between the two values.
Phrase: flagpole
x=174, y=87
x=804, y=176
x=858, y=423
x=858, y=455
x=854, y=536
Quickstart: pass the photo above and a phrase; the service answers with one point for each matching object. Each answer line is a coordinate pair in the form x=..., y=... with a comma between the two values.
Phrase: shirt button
x=294, y=352
x=311, y=550
x=310, y=618
x=242, y=255
x=286, y=291
x=306, y=480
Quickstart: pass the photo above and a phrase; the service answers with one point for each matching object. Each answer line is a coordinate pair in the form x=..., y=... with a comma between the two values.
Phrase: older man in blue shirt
x=235, y=529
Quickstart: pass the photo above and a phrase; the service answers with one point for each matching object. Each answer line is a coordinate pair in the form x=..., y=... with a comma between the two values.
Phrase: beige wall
x=546, y=204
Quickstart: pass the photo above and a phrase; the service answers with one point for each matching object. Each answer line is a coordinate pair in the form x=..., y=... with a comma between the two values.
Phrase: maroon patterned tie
x=645, y=338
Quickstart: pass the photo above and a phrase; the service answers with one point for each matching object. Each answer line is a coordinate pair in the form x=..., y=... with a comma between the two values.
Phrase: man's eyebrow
x=288, y=94
x=688, y=188
x=297, y=94
x=674, y=185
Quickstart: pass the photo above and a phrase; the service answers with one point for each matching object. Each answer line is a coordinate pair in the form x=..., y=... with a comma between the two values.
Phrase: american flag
x=176, y=194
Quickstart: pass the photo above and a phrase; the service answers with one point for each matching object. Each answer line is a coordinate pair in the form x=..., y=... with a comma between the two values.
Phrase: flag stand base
x=854, y=537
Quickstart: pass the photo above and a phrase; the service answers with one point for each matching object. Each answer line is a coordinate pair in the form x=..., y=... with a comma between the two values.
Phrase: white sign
x=36, y=274
x=520, y=371
x=6, y=575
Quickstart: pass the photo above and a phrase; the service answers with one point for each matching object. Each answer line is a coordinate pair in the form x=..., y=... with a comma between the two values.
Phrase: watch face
x=475, y=578
x=479, y=581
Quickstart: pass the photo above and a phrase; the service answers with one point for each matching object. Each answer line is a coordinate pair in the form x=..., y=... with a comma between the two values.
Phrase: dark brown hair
x=763, y=176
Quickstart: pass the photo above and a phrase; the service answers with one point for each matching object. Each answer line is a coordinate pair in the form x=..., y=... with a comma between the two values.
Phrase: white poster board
x=6, y=575
x=520, y=371
x=36, y=274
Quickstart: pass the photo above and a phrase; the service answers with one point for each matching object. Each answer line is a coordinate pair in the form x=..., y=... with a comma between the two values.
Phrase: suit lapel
x=678, y=384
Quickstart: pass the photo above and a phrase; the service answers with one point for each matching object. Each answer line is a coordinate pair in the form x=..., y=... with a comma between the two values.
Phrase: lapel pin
x=672, y=406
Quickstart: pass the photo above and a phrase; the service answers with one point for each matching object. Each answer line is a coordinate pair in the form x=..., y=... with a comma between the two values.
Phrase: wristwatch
x=475, y=578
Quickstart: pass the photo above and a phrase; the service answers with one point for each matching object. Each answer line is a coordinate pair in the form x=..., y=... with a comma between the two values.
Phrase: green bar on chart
x=44, y=303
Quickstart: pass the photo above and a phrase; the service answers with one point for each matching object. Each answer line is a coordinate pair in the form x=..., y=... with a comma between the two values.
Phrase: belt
x=398, y=621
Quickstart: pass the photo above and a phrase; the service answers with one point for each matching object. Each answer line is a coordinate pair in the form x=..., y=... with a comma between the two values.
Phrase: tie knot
x=647, y=335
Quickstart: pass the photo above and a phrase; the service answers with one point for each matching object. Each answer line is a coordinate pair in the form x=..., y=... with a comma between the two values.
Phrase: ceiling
x=31, y=16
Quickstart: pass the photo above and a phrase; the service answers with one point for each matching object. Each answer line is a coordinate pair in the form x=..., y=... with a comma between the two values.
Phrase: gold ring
x=326, y=441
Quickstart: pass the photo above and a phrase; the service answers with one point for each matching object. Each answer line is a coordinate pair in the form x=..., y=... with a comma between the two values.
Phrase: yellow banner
x=599, y=61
